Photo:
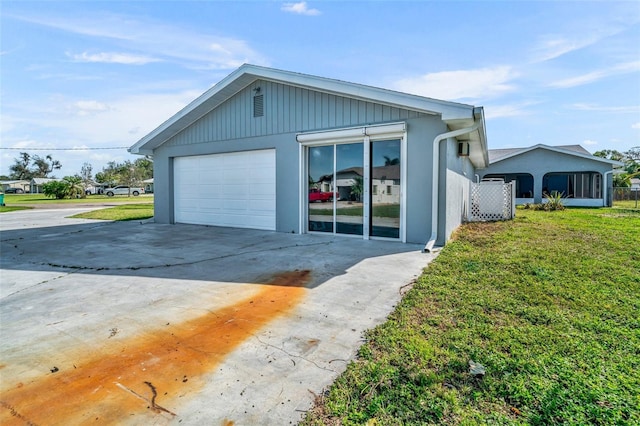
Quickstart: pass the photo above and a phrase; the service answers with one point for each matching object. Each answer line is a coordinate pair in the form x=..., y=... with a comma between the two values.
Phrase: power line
x=64, y=149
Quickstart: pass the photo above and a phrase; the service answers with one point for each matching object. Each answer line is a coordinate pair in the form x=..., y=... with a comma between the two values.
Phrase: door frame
x=366, y=135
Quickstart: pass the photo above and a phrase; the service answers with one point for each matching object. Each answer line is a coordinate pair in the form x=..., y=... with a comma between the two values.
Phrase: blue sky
x=90, y=74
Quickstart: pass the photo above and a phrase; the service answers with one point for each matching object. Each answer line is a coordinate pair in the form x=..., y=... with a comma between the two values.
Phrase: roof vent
x=258, y=105
x=463, y=148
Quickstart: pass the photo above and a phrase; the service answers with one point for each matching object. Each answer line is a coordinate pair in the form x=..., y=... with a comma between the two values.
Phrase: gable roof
x=496, y=155
x=456, y=115
x=40, y=181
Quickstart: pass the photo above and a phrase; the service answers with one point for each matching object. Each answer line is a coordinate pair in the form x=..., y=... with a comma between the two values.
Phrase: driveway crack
x=170, y=265
x=37, y=284
x=294, y=355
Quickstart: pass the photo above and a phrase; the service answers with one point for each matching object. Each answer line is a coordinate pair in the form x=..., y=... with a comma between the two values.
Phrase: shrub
x=554, y=201
x=55, y=189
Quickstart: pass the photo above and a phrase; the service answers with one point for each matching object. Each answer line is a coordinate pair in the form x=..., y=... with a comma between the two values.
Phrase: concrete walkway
x=150, y=324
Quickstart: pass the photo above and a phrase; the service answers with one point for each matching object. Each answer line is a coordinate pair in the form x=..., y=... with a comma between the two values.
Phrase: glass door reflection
x=385, y=189
x=349, y=186
x=321, y=191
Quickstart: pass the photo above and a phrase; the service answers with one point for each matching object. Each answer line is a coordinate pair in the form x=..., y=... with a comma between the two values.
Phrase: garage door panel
x=233, y=189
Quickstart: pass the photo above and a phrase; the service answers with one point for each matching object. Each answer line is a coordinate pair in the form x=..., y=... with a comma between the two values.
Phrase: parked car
x=123, y=190
x=317, y=195
x=14, y=191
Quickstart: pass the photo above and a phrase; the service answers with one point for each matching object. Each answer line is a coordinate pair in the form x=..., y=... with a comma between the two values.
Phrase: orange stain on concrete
x=146, y=375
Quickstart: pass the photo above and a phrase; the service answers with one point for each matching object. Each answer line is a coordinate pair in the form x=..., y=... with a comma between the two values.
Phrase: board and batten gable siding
x=287, y=109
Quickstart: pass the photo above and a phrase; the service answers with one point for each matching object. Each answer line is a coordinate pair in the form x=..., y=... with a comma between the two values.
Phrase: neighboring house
x=18, y=184
x=385, y=184
x=584, y=179
x=148, y=186
x=36, y=184
x=247, y=151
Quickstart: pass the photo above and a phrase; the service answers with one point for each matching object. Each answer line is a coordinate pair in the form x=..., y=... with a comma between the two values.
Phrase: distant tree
x=27, y=167
x=621, y=180
x=610, y=154
x=75, y=188
x=86, y=174
x=144, y=167
x=45, y=166
x=109, y=174
x=633, y=154
x=391, y=161
x=630, y=158
x=357, y=187
x=126, y=173
x=20, y=168
x=632, y=161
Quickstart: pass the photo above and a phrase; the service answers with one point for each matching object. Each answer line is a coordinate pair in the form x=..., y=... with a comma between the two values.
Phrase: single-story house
x=36, y=184
x=569, y=170
x=246, y=153
x=17, y=184
x=148, y=186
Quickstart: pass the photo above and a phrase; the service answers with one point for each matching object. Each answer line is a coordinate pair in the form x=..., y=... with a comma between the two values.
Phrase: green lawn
x=123, y=212
x=5, y=209
x=548, y=303
x=17, y=199
x=627, y=204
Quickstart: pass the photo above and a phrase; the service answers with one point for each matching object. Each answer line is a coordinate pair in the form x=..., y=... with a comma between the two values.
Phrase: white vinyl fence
x=492, y=200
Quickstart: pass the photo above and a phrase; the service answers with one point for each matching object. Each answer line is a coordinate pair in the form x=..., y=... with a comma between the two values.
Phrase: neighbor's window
x=524, y=183
x=573, y=185
x=375, y=190
x=389, y=189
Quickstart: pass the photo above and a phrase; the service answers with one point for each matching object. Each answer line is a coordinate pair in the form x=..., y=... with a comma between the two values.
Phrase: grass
x=5, y=209
x=120, y=213
x=548, y=303
x=627, y=204
x=17, y=199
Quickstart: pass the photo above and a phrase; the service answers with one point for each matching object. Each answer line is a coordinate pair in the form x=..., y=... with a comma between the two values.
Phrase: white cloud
x=300, y=8
x=582, y=32
x=589, y=142
x=635, y=125
x=507, y=110
x=598, y=108
x=113, y=58
x=89, y=107
x=463, y=84
x=623, y=68
x=157, y=41
x=554, y=46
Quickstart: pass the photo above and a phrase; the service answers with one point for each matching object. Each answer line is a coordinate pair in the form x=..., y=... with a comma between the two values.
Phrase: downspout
x=434, y=182
x=605, y=186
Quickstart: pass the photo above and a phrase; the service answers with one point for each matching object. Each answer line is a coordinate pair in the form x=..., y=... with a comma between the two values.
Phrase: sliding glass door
x=355, y=188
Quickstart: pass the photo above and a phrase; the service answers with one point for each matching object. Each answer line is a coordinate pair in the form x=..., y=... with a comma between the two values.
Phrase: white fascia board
x=448, y=110
x=189, y=114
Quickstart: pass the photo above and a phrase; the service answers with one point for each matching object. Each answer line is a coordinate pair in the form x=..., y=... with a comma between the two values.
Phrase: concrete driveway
x=150, y=324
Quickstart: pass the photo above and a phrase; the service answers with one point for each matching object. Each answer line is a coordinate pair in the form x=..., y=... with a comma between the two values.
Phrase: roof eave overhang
x=561, y=151
x=478, y=150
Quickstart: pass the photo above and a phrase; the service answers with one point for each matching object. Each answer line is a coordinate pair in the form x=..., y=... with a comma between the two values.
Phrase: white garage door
x=236, y=189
